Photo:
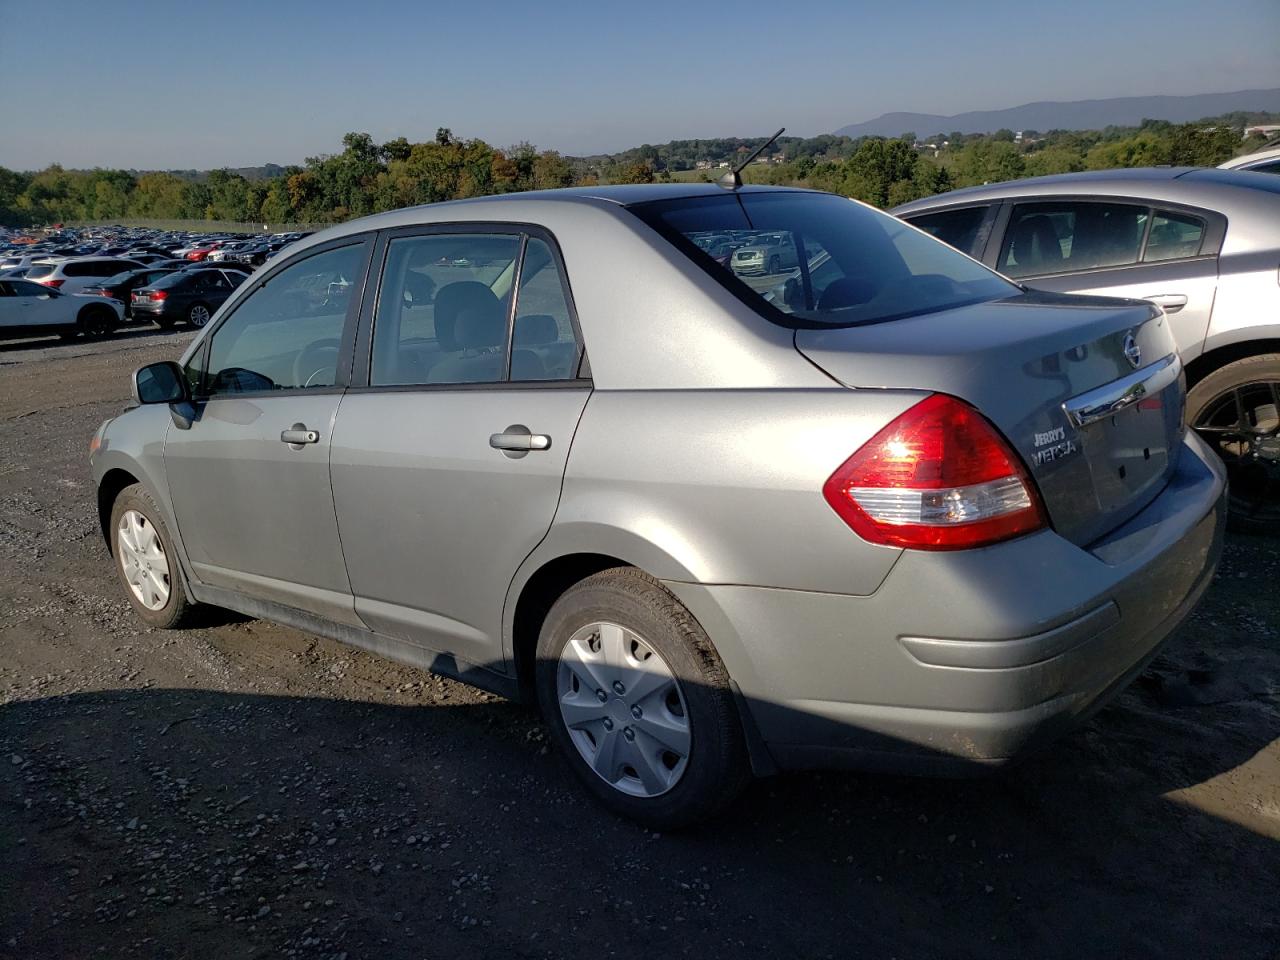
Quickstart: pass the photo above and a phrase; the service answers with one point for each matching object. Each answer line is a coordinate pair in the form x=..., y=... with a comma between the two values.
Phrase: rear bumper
x=968, y=659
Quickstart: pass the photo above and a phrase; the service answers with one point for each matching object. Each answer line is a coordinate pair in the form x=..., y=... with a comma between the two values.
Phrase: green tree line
x=366, y=177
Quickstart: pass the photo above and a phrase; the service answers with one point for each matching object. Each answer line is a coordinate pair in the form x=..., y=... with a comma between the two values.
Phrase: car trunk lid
x=1056, y=374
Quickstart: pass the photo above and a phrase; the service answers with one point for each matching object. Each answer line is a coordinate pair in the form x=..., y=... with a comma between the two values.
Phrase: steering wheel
x=315, y=360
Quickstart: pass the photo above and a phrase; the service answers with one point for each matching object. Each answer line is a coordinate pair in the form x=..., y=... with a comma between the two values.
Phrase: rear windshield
x=41, y=270
x=818, y=260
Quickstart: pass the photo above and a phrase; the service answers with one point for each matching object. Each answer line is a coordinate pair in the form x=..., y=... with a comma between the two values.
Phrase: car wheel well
x=537, y=598
x=110, y=487
x=1206, y=363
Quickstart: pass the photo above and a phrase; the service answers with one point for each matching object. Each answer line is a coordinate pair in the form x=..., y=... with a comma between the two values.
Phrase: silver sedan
x=898, y=513
x=1203, y=244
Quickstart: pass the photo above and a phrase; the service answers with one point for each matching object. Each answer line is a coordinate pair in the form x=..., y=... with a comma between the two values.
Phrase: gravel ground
x=246, y=790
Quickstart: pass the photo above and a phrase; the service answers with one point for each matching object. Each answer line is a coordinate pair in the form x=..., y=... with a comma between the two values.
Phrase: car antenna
x=732, y=180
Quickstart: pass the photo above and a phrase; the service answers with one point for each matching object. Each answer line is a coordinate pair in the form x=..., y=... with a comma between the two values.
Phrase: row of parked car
x=88, y=282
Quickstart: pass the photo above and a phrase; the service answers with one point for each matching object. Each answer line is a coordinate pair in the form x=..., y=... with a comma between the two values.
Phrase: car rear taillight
x=159, y=295
x=52, y=282
x=939, y=477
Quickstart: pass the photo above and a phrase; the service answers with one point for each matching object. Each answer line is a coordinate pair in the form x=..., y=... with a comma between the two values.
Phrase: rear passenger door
x=449, y=450
x=1121, y=249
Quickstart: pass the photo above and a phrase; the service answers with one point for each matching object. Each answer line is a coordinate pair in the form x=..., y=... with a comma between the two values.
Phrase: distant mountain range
x=1070, y=115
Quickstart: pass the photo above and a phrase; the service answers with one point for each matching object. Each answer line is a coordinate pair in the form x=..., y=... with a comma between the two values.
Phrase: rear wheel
x=146, y=562
x=774, y=264
x=638, y=701
x=1236, y=410
x=198, y=315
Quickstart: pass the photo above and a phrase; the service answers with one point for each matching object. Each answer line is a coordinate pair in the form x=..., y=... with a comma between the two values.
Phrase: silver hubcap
x=146, y=568
x=199, y=316
x=624, y=709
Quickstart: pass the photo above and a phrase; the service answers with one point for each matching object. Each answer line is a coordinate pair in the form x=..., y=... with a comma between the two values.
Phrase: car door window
x=24, y=288
x=1046, y=238
x=961, y=229
x=1174, y=236
x=544, y=345
x=287, y=334
x=442, y=309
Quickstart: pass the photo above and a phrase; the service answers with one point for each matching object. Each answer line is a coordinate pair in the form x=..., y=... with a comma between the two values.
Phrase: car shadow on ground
x=129, y=332
x=175, y=823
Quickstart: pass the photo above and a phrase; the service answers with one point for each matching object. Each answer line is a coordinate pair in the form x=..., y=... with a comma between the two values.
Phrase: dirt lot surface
x=246, y=790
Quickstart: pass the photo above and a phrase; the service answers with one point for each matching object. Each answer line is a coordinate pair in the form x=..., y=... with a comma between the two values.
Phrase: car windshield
x=40, y=270
x=816, y=260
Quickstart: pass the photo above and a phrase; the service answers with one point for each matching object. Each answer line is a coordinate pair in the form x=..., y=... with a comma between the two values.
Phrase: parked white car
x=72, y=276
x=1266, y=160
x=30, y=309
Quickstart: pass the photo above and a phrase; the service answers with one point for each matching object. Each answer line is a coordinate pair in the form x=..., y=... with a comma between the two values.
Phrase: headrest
x=478, y=327
x=536, y=328
x=846, y=292
x=452, y=299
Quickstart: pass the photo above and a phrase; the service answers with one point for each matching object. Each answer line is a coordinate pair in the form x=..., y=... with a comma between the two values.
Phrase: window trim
x=361, y=377
x=1210, y=246
x=239, y=295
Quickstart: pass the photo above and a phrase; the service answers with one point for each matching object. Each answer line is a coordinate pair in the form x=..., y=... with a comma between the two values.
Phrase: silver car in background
x=903, y=515
x=1204, y=244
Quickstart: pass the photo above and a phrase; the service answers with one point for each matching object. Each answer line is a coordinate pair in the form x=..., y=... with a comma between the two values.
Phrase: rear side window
x=812, y=260
x=1173, y=236
x=543, y=343
x=1046, y=238
x=79, y=270
x=443, y=309
x=961, y=229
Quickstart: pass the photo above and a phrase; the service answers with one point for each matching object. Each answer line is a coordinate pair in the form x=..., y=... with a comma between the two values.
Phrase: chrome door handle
x=1172, y=302
x=517, y=440
x=298, y=434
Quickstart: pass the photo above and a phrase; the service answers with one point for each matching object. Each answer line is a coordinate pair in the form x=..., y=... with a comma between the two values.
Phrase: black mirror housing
x=162, y=382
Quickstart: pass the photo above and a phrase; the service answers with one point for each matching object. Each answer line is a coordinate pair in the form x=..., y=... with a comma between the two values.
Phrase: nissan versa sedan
x=894, y=512
x=1204, y=244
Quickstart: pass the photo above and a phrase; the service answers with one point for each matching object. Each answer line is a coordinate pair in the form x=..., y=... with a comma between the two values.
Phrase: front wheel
x=1236, y=410
x=146, y=563
x=638, y=701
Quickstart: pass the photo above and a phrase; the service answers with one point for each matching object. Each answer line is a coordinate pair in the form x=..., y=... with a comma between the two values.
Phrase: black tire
x=96, y=321
x=178, y=611
x=774, y=264
x=1251, y=451
x=193, y=315
x=717, y=767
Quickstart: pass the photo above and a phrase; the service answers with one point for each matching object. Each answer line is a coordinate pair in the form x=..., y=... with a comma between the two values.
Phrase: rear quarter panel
x=723, y=486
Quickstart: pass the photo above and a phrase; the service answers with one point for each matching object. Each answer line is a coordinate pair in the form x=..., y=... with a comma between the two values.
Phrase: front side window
x=812, y=260
x=1174, y=236
x=1066, y=237
x=287, y=334
x=958, y=228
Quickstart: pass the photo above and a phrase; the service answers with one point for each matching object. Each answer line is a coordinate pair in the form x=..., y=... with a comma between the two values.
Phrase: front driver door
x=250, y=478
x=438, y=504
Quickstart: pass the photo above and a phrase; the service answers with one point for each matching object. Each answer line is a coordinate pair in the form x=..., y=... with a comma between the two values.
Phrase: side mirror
x=162, y=382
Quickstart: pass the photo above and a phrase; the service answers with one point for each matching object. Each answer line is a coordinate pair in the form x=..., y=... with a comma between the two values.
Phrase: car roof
x=1239, y=194
x=1258, y=156
x=489, y=208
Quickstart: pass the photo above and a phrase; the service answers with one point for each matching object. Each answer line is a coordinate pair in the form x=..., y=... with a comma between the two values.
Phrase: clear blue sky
x=180, y=84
